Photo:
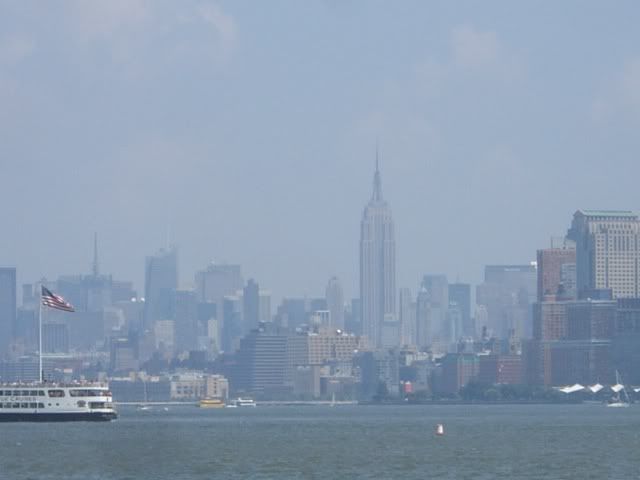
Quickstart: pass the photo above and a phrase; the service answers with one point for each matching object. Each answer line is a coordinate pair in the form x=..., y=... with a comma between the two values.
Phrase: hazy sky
x=250, y=128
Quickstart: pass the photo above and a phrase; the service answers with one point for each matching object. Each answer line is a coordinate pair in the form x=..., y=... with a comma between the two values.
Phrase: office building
x=377, y=263
x=335, y=302
x=407, y=317
x=437, y=288
x=555, y=266
x=187, y=324
x=261, y=360
x=460, y=296
x=607, y=252
x=507, y=293
x=161, y=281
x=218, y=281
x=251, y=305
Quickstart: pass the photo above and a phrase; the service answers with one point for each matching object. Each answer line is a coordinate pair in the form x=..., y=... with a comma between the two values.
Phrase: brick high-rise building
x=550, y=271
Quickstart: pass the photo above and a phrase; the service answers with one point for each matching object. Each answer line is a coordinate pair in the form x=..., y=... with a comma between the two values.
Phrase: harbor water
x=185, y=442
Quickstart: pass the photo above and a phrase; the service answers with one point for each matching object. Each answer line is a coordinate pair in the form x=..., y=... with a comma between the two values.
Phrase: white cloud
x=223, y=23
x=130, y=29
x=15, y=48
x=622, y=94
x=473, y=48
x=107, y=19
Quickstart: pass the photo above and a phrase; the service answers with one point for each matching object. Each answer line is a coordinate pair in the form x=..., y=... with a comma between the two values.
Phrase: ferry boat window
x=40, y=405
x=33, y=405
x=17, y=393
x=24, y=405
x=82, y=403
x=33, y=393
x=1, y=405
x=56, y=393
x=41, y=393
x=96, y=405
x=15, y=405
x=25, y=393
x=1, y=393
x=86, y=393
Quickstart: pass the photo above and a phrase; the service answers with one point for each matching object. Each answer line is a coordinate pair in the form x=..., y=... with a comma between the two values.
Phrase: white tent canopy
x=571, y=389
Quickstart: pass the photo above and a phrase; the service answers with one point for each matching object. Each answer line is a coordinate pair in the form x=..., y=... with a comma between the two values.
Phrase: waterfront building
x=377, y=263
x=625, y=347
x=458, y=369
x=192, y=385
x=607, y=252
x=261, y=360
x=322, y=345
x=500, y=369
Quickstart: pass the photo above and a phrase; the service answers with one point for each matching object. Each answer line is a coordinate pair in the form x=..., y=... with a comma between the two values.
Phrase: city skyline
x=319, y=238
x=480, y=120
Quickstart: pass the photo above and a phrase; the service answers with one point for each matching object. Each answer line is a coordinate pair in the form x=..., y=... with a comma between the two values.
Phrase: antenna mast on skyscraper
x=377, y=184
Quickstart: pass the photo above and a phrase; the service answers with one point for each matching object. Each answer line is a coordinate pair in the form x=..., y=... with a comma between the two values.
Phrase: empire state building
x=377, y=264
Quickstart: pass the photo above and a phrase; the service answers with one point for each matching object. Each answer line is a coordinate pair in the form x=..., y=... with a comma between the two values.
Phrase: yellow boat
x=211, y=403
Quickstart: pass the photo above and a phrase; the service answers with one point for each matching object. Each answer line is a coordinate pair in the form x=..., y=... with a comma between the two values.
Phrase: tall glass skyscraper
x=377, y=264
x=161, y=283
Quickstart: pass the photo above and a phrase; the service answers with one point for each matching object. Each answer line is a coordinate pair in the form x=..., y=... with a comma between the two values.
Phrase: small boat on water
x=439, y=430
x=618, y=401
x=211, y=403
x=242, y=402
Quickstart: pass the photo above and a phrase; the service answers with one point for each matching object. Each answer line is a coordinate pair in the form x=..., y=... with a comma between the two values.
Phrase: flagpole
x=40, y=335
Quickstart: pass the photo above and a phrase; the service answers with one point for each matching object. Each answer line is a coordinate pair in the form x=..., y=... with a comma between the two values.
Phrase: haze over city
x=320, y=239
x=248, y=131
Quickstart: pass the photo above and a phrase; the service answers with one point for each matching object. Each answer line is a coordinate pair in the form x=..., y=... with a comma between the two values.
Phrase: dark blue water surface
x=481, y=442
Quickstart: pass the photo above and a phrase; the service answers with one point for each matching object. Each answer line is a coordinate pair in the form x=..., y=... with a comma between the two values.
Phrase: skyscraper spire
x=377, y=183
x=96, y=268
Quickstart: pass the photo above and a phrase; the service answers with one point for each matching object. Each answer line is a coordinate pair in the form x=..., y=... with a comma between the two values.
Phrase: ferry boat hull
x=59, y=417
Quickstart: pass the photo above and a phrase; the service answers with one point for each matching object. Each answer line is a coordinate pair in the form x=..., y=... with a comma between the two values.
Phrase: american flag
x=51, y=300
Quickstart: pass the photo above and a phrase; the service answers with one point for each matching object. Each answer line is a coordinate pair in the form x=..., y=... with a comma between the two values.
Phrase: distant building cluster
x=570, y=316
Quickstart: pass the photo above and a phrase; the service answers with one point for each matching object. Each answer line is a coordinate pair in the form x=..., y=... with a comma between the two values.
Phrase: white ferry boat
x=242, y=402
x=50, y=402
